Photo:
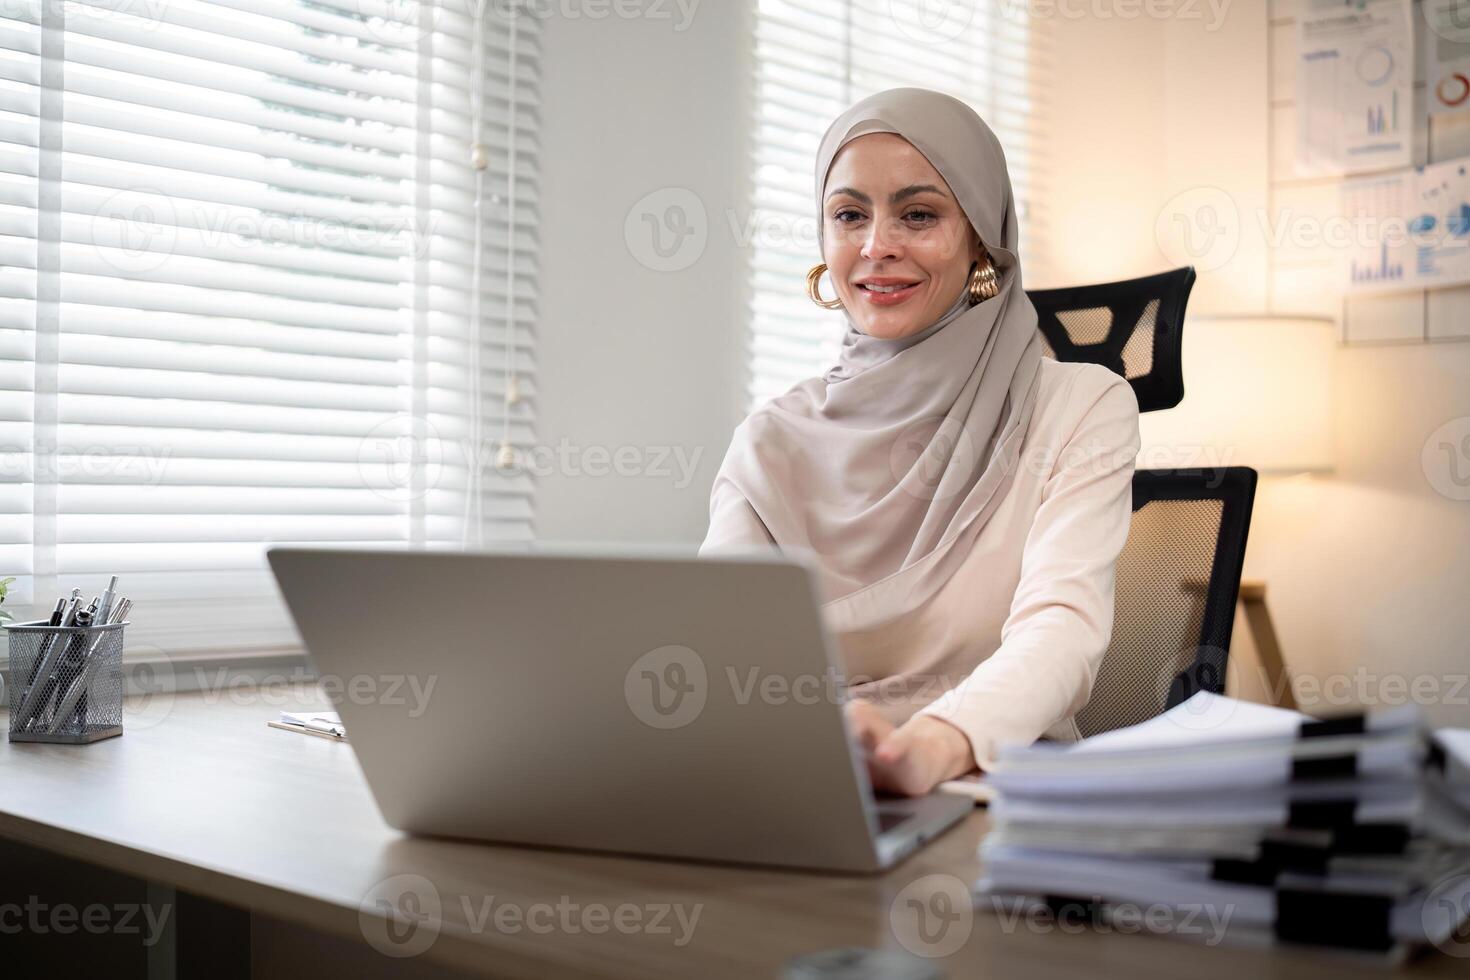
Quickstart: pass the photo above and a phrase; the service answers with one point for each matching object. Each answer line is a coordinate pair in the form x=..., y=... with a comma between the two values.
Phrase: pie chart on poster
x=1375, y=64
x=1452, y=90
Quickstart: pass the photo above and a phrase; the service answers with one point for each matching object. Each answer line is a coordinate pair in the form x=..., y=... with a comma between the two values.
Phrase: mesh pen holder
x=66, y=683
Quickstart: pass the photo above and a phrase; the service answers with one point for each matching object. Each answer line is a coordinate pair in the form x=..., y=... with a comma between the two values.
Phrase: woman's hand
x=910, y=759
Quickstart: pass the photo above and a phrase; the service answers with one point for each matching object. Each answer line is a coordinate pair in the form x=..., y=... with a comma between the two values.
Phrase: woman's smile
x=887, y=290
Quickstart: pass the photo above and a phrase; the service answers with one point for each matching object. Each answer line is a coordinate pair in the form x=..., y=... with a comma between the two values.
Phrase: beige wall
x=1367, y=569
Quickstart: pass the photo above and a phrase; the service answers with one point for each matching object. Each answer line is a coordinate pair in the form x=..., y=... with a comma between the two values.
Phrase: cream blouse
x=1008, y=648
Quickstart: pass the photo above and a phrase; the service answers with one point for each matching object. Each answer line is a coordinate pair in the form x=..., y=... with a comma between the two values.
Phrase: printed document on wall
x=1447, y=55
x=1409, y=230
x=1354, y=86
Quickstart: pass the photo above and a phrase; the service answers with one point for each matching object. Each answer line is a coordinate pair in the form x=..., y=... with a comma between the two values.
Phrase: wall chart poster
x=1447, y=55
x=1354, y=86
x=1409, y=230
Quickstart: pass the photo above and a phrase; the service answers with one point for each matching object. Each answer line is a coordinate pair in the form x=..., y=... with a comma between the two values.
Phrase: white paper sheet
x=1354, y=86
x=1447, y=56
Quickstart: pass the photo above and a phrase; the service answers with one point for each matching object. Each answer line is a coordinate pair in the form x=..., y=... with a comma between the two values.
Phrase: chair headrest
x=1132, y=327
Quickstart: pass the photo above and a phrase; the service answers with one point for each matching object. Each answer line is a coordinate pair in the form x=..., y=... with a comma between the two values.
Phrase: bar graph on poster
x=1354, y=86
x=1410, y=229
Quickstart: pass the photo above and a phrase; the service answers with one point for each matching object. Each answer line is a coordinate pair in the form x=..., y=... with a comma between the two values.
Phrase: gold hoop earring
x=984, y=282
x=813, y=283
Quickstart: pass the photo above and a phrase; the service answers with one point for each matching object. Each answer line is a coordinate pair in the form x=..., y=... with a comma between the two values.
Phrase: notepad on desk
x=323, y=724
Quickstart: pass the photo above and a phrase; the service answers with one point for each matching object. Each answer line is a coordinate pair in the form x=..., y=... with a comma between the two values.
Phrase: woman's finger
x=868, y=726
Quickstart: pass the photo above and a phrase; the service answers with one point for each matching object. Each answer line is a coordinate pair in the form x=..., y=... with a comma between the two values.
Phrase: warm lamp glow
x=1257, y=392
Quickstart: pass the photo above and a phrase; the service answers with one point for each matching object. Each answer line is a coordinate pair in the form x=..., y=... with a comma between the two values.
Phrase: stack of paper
x=1226, y=821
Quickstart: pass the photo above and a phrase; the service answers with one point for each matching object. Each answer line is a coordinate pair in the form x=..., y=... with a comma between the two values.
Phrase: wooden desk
x=210, y=801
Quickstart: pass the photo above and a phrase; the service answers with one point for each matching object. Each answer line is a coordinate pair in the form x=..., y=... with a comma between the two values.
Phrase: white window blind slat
x=261, y=252
x=813, y=58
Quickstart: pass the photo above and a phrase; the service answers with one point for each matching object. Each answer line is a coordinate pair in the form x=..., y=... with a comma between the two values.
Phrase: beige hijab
x=885, y=469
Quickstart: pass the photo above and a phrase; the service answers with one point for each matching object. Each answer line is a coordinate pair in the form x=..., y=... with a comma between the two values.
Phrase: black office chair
x=1178, y=577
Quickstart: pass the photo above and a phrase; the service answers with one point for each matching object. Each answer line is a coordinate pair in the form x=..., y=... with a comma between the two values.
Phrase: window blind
x=814, y=58
x=248, y=294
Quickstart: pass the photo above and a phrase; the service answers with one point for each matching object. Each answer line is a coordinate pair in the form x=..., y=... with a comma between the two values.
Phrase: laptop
x=646, y=704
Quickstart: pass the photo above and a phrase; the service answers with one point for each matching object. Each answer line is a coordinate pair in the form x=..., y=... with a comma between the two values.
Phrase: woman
x=964, y=498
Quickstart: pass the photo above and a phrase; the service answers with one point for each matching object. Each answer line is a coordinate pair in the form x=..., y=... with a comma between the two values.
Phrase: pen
x=54, y=620
x=69, y=702
x=115, y=615
x=64, y=675
x=106, y=605
x=46, y=680
x=322, y=725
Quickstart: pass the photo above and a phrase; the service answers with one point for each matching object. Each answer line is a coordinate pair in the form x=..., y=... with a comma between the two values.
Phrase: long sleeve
x=1060, y=620
x=733, y=522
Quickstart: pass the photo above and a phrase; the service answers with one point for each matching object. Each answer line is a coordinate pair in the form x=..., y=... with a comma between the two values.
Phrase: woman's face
x=896, y=243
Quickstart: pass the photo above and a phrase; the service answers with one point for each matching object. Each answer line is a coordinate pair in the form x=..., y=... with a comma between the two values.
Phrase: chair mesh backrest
x=1177, y=582
x=1132, y=327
